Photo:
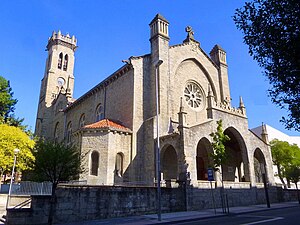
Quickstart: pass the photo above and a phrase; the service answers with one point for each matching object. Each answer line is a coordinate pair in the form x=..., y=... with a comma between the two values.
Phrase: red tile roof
x=108, y=124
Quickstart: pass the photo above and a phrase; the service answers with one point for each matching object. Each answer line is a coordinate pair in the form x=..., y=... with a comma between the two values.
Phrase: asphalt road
x=286, y=216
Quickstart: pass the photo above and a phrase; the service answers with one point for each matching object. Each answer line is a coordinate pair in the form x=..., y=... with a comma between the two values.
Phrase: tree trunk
x=1, y=177
x=297, y=192
x=52, y=204
x=280, y=177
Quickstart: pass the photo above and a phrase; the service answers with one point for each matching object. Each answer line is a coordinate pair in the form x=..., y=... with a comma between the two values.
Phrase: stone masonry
x=114, y=123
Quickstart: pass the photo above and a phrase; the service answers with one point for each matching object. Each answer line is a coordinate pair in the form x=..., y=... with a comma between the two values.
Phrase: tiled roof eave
x=108, y=129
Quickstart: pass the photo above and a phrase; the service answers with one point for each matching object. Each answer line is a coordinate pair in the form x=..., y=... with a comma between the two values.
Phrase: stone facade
x=193, y=93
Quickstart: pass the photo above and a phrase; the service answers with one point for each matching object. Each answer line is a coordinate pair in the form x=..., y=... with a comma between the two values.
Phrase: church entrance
x=234, y=168
x=203, y=160
x=169, y=163
x=259, y=165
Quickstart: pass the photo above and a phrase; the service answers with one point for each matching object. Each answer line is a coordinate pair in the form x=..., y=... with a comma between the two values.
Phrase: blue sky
x=109, y=31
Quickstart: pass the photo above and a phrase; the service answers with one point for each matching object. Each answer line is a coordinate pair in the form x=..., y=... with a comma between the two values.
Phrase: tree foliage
x=285, y=157
x=7, y=107
x=293, y=174
x=7, y=103
x=219, y=155
x=55, y=162
x=271, y=29
x=11, y=138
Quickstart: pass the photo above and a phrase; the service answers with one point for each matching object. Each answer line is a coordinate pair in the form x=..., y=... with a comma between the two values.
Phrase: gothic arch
x=203, y=161
x=208, y=77
x=169, y=162
x=236, y=168
x=259, y=165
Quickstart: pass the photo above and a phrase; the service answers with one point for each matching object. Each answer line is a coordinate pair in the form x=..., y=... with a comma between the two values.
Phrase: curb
x=180, y=220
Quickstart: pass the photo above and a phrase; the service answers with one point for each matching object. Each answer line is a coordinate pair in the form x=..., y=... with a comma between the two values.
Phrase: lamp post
x=263, y=170
x=16, y=151
x=158, y=144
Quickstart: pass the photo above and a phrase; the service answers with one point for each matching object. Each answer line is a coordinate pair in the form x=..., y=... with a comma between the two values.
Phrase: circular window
x=193, y=95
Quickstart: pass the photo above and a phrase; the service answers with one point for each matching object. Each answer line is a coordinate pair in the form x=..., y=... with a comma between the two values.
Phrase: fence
x=32, y=188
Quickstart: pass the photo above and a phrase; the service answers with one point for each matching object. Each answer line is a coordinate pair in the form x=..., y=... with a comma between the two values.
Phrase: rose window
x=193, y=95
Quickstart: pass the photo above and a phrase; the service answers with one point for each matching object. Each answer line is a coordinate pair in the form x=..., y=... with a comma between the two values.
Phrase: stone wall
x=78, y=203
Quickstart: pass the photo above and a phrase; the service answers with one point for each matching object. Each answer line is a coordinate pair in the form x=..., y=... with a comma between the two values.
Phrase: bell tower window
x=60, y=58
x=66, y=63
x=49, y=61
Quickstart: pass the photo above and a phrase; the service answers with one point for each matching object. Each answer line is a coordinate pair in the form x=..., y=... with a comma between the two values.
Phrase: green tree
x=271, y=30
x=293, y=174
x=219, y=155
x=11, y=138
x=284, y=157
x=7, y=103
x=7, y=107
x=56, y=163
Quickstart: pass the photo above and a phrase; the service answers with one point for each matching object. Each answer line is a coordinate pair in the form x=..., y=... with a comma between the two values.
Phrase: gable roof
x=107, y=124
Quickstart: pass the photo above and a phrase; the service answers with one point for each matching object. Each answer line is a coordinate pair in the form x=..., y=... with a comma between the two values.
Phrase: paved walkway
x=171, y=218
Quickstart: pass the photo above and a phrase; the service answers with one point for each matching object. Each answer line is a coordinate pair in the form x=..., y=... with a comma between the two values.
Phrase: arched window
x=99, y=113
x=56, y=135
x=94, y=163
x=49, y=61
x=60, y=58
x=69, y=133
x=66, y=63
x=119, y=164
x=82, y=120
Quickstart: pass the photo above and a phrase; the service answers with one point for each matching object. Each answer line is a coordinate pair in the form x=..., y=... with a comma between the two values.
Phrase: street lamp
x=16, y=151
x=263, y=170
x=158, y=146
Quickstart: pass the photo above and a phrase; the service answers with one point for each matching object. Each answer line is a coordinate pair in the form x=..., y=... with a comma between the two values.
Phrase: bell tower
x=58, y=77
x=159, y=39
x=218, y=55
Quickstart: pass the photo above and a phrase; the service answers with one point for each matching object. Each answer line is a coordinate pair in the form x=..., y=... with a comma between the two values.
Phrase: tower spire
x=264, y=133
x=242, y=106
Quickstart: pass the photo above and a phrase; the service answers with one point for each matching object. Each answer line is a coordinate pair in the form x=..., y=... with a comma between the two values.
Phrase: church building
x=114, y=125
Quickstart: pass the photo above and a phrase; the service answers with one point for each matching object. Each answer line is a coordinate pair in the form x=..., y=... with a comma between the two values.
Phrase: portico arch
x=236, y=167
x=169, y=163
x=203, y=159
x=259, y=165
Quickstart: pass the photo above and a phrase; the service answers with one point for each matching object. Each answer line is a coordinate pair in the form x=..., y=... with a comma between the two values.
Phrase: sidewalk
x=175, y=217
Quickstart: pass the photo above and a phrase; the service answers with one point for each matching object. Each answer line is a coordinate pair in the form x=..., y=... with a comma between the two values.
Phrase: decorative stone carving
x=190, y=32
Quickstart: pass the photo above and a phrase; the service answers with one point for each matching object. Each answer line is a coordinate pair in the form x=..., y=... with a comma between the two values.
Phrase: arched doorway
x=234, y=169
x=259, y=165
x=203, y=159
x=169, y=163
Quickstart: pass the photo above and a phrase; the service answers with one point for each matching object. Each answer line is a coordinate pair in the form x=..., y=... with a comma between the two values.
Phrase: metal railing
x=32, y=188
